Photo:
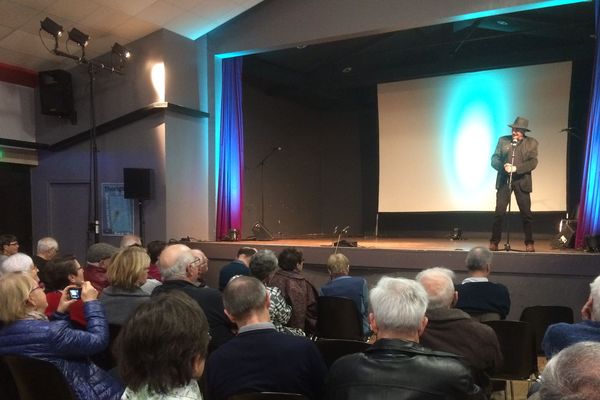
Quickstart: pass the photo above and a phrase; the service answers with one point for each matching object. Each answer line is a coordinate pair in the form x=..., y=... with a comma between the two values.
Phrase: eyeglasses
x=196, y=261
x=35, y=288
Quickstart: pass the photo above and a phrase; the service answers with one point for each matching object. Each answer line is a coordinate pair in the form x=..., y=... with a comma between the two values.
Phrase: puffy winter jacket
x=67, y=348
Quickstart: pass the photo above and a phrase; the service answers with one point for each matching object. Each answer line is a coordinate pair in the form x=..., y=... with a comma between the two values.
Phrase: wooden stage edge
x=398, y=254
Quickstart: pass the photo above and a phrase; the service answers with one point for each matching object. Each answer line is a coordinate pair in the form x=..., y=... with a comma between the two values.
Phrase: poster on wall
x=117, y=211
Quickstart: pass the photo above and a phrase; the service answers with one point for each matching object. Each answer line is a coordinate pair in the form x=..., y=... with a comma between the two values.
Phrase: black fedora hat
x=521, y=123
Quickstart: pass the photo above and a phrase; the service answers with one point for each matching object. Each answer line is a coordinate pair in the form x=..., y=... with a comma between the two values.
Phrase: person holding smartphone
x=60, y=273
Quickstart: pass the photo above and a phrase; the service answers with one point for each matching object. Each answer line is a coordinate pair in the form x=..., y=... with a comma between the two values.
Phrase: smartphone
x=74, y=293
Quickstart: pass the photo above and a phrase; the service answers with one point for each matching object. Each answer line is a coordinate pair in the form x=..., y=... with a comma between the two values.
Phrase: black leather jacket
x=400, y=370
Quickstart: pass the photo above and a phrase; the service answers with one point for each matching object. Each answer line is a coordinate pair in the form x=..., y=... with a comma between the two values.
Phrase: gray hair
x=263, y=264
x=46, y=244
x=478, y=258
x=438, y=284
x=398, y=303
x=19, y=262
x=179, y=267
x=595, y=294
x=130, y=240
x=573, y=374
x=244, y=295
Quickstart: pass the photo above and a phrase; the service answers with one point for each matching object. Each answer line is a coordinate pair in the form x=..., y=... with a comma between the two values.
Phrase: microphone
x=514, y=142
x=345, y=230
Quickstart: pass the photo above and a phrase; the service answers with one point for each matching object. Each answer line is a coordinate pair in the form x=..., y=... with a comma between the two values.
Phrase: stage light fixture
x=121, y=51
x=51, y=27
x=79, y=37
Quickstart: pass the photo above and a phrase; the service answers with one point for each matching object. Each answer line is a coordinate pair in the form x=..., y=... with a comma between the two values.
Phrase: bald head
x=439, y=287
x=170, y=254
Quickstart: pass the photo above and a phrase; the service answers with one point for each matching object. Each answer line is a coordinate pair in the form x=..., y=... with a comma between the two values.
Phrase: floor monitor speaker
x=566, y=237
x=261, y=232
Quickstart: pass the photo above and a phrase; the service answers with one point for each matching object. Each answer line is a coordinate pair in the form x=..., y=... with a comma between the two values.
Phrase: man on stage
x=515, y=154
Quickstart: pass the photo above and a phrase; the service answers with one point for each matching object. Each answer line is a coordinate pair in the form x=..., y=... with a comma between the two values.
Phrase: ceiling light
x=79, y=37
x=51, y=27
x=121, y=51
x=347, y=70
x=502, y=22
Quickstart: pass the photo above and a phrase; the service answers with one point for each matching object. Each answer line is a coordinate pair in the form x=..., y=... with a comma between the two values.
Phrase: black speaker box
x=138, y=183
x=566, y=237
x=56, y=93
x=261, y=232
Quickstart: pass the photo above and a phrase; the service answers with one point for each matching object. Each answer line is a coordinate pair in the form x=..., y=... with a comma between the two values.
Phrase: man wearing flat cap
x=516, y=169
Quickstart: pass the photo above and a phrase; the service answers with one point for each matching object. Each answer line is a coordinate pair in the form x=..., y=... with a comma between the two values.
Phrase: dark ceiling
x=326, y=74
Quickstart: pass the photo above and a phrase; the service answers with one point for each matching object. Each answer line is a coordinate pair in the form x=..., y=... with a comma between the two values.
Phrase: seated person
x=476, y=294
x=28, y=332
x=126, y=274
x=396, y=366
x=162, y=348
x=263, y=266
x=561, y=335
x=297, y=290
x=47, y=249
x=154, y=249
x=60, y=273
x=98, y=258
x=260, y=359
x=343, y=285
x=19, y=262
x=239, y=266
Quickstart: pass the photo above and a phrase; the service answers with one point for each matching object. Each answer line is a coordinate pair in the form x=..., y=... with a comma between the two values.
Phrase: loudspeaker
x=592, y=243
x=138, y=183
x=56, y=93
x=566, y=237
x=261, y=232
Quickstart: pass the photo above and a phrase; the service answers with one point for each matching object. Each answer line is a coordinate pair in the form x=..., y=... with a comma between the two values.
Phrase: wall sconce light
x=121, y=51
x=51, y=27
x=75, y=35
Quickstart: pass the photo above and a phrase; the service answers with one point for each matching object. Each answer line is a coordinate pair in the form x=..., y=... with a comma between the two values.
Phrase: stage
x=546, y=277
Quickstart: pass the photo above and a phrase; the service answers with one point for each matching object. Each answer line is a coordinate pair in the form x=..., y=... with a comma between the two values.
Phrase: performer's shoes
x=493, y=246
x=529, y=248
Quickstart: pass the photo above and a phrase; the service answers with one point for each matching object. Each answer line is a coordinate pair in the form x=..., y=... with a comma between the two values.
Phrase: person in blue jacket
x=26, y=331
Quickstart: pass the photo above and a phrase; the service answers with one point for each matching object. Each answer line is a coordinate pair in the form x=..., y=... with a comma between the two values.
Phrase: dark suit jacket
x=525, y=160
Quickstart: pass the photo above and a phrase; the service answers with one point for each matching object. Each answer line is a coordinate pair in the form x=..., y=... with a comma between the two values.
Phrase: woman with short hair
x=162, y=349
x=58, y=274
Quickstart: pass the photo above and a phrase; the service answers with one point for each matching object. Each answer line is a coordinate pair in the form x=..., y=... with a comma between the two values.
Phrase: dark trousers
x=524, y=203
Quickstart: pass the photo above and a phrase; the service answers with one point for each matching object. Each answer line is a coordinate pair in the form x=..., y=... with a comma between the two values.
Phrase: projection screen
x=437, y=135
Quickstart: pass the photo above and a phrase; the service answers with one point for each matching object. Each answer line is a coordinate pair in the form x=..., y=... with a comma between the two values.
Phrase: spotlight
x=51, y=27
x=79, y=37
x=121, y=51
x=456, y=234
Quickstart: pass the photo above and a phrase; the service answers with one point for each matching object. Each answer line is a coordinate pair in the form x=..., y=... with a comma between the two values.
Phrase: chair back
x=332, y=349
x=491, y=316
x=106, y=359
x=8, y=387
x=268, y=396
x=541, y=317
x=38, y=379
x=518, y=349
x=338, y=318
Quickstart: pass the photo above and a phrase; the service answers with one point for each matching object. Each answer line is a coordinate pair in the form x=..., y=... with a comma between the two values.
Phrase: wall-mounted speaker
x=261, y=232
x=138, y=183
x=56, y=93
x=566, y=237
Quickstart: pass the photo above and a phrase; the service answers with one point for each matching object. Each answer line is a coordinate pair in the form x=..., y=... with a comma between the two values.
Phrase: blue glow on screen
x=475, y=116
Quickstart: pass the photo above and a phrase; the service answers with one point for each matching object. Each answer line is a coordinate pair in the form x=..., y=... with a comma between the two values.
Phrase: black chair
x=541, y=317
x=106, y=359
x=268, y=396
x=338, y=319
x=332, y=349
x=8, y=387
x=517, y=345
x=38, y=379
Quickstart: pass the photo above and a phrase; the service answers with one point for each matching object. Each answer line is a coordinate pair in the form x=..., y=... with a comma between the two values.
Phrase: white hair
x=46, y=244
x=595, y=294
x=398, y=304
x=438, y=282
x=19, y=262
x=130, y=240
x=179, y=267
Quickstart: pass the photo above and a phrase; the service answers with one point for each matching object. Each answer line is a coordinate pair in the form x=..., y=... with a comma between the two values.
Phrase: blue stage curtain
x=231, y=149
x=588, y=222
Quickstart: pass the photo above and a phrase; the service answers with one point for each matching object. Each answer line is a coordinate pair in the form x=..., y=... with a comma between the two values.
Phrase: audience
x=20, y=262
x=10, y=244
x=126, y=274
x=297, y=291
x=98, y=258
x=454, y=331
x=130, y=240
x=239, y=266
x=154, y=249
x=28, y=332
x=396, y=366
x=478, y=296
x=202, y=266
x=47, y=249
x=179, y=269
x=60, y=273
x=162, y=348
x=561, y=335
x=343, y=285
x=263, y=266
x=259, y=358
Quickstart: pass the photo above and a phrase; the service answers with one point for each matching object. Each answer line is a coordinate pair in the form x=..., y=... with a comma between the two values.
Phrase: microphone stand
x=261, y=164
x=510, y=190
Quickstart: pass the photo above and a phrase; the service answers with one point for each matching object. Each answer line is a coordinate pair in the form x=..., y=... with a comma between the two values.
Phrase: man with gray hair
x=561, y=335
x=477, y=296
x=396, y=366
x=452, y=330
x=574, y=373
x=179, y=269
x=47, y=249
x=260, y=359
